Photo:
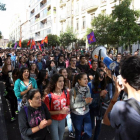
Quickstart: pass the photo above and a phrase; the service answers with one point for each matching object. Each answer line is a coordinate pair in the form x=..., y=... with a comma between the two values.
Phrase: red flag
x=46, y=39
x=19, y=43
x=28, y=43
x=33, y=43
x=40, y=48
x=42, y=41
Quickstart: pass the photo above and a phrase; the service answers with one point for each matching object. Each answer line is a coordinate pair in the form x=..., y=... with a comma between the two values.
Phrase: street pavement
x=10, y=129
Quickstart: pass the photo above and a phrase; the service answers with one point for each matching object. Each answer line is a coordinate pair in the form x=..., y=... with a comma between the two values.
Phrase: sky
x=12, y=7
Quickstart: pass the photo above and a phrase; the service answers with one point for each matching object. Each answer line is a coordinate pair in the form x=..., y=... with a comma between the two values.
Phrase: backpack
x=50, y=97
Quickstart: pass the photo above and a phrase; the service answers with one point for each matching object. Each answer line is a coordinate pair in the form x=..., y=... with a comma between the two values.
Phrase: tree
x=67, y=37
x=53, y=40
x=24, y=43
x=102, y=27
x=125, y=24
x=0, y=34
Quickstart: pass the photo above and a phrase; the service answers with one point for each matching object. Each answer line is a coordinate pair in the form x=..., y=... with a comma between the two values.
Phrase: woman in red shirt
x=57, y=100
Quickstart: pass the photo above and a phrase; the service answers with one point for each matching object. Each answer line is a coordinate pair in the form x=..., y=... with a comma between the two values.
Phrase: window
x=54, y=19
x=45, y=12
x=84, y=23
x=49, y=31
x=103, y=11
x=41, y=14
x=92, y=16
x=45, y=33
x=77, y=24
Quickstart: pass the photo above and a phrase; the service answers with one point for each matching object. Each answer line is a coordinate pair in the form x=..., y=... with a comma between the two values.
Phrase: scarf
x=81, y=90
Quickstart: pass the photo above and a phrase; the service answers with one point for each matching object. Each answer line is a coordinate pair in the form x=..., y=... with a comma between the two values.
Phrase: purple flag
x=15, y=45
x=91, y=38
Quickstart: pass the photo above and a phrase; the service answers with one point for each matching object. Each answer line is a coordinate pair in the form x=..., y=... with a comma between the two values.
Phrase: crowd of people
x=55, y=87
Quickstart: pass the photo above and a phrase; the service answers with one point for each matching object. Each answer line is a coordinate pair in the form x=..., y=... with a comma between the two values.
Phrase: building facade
x=14, y=29
x=54, y=16
x=4, y=43
x=43, y=18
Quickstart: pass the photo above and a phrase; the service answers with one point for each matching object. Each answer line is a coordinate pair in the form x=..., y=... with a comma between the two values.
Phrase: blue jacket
x=20, y=86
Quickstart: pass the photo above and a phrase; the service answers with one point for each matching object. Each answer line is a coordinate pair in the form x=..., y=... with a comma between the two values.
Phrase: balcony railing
x=41, y=7
x=37, y=19
x=89, y=5
x=62, y=3
x=62, y=17
x=49, y=12
x=32, y=14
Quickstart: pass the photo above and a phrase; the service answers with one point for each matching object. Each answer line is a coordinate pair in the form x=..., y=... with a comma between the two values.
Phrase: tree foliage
x=67, y=37
x=24, y=43
x=0, y=34
x=103, y=30
x=53, y=40
x=125, y=26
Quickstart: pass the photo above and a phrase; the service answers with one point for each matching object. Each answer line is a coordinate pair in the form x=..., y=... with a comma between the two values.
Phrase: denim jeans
x=110, y=90
x=69, y=123
x=57, y=129
x=82, y=122
x=19, y=104
x=93, y=114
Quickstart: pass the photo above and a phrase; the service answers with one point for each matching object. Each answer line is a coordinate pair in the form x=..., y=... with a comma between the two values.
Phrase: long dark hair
x=66, y=81
x=21, y=73
x=50, y=68
x=15, y=71
x=96, y=80
x=52, y=83
x=78, y=77
x=41, y=77
x=31, y=93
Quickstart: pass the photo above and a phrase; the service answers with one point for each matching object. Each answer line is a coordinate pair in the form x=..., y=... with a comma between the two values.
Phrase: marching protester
x=23, y=85
x=34, y=118
x=80, y=98
x=98, y=91
x=58, y=102
x=68, y=88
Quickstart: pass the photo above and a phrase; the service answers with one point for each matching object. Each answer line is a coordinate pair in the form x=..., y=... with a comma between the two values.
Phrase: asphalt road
x=107, y=133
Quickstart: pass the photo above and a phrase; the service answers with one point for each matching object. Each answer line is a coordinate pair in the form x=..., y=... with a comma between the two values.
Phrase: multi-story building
x=43, y=14
x=25, y=30
x=4, y=43
x=14, y=30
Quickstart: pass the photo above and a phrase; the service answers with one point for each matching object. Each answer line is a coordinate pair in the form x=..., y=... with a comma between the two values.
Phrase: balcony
x=91, y=5
x=62, y=18
x=49, y=13
x=62, y=3
x=42, y=6
x=32, y=14
x=69, y=13
x=103, y=2
x=37, y=19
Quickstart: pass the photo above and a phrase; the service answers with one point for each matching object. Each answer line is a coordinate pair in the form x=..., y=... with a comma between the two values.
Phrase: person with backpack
x=98, y=92
x=63, y=71
x=34, y=118
x=80, y=98
x=57, y=101
x=124, y=116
